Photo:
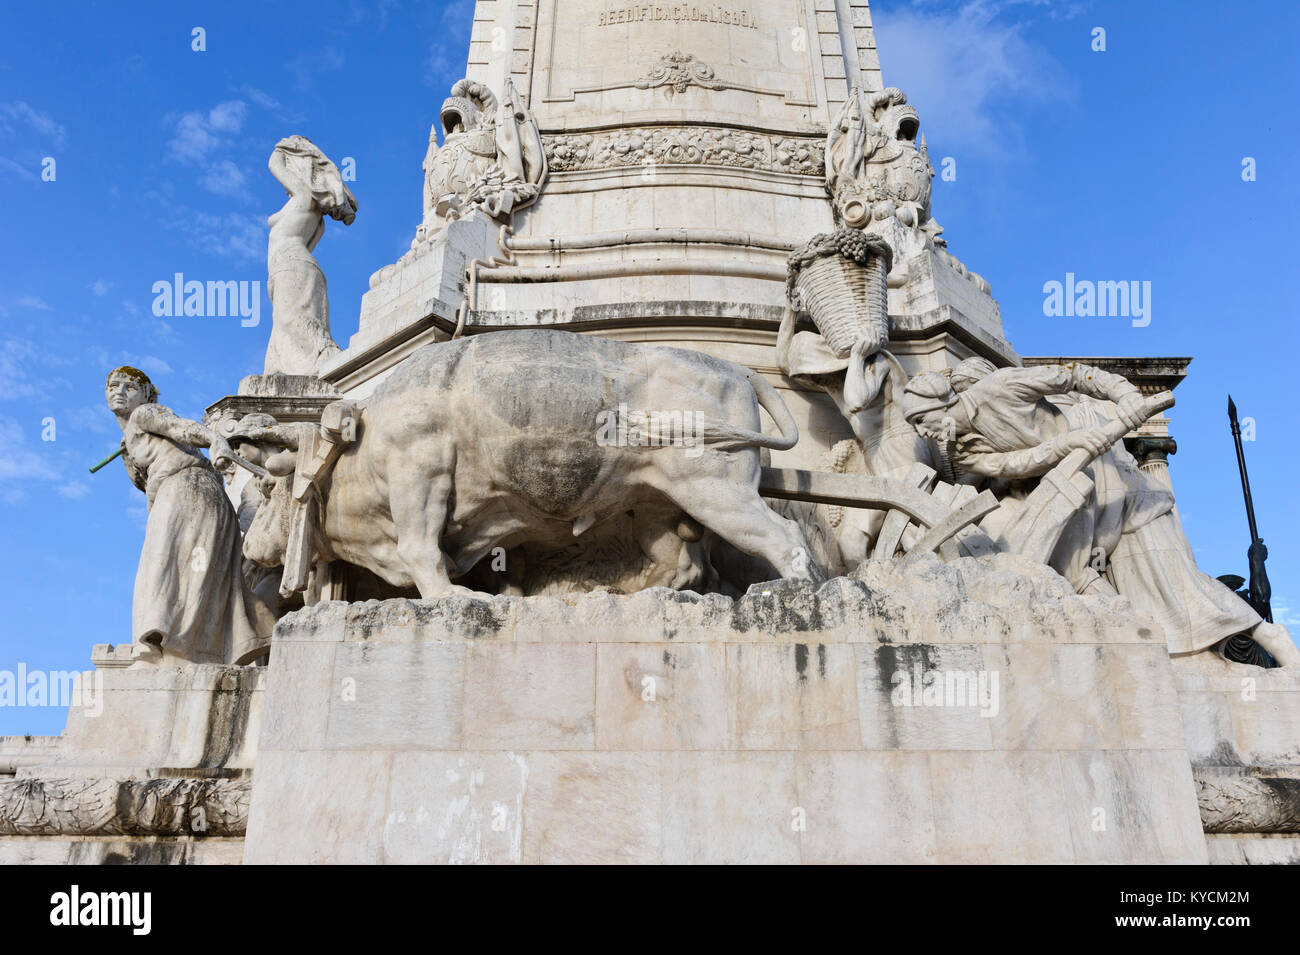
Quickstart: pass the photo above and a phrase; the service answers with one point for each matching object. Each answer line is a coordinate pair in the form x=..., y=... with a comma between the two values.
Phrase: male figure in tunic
x=1002, y=428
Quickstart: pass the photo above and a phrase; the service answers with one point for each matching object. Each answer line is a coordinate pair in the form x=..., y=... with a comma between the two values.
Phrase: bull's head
x=267, y=540
x=286, y=530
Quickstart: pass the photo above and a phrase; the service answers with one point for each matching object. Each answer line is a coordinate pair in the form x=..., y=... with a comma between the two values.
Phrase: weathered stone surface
x=321, y=806
x=403, y=696
x=1128, y=806
x=666, y=727
x=730, y=808
x=792, y=696
x=1238, y=715
x=456, y=808
x=112, y=850
x=1252, y=850
x=897, y=714
x=657, y=696
x=594, y=808
x=530, y=696
x=195, y=716
x=142, y=807
x=871, y=808
x=1000, y=807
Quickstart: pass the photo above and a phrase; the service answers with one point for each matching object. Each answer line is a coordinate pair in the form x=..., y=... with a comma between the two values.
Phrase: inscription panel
x=753, y=63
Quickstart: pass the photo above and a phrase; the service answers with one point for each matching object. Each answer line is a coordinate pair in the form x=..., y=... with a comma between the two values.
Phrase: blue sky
x=1116, y=165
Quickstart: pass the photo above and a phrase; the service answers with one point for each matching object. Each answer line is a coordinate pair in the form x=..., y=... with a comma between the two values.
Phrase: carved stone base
x=791, y=725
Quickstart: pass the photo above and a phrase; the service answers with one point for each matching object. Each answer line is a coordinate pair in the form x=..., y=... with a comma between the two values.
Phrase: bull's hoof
x=455, y=590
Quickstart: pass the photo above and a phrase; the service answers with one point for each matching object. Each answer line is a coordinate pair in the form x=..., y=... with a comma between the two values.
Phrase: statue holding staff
x=1000, y=427
x=190, y=603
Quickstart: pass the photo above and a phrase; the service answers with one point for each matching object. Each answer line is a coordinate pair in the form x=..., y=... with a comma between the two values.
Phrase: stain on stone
x=148, y=853
x=821, y=660
x=790, y=606
x=1223, y=754
x=801, y=661
x=227, y=722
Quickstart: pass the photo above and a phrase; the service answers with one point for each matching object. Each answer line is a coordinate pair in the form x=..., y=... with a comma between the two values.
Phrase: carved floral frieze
x=692, y=146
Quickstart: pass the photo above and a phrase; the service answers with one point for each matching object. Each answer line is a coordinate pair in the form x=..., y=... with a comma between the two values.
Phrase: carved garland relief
x=685, y=145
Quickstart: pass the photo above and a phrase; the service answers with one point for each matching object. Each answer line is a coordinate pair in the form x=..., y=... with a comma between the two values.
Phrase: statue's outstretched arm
x=1015, y=465
x=1095, y=383
x=162, y=421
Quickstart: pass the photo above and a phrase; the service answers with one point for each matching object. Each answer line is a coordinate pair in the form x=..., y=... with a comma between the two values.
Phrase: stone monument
x=679, y=499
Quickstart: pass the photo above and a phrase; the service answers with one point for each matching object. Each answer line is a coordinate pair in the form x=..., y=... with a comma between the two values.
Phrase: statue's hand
x=221, y=453
x=1132, y=410
x=1092, y=440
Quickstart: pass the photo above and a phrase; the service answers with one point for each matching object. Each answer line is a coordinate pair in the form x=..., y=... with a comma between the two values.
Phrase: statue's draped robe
x=189, y=595
x=300, y=340
x=1130, y=516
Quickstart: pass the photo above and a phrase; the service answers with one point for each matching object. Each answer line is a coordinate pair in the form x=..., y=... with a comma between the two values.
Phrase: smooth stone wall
x=525, y=729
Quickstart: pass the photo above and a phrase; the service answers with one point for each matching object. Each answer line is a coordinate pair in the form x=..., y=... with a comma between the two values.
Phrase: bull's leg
x=419, y=505
x=736, y=513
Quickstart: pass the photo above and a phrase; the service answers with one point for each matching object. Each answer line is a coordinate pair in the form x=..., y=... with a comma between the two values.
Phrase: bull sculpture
x=527, y=437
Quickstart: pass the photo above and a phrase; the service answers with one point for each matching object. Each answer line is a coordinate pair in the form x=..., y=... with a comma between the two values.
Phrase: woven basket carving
x=839, y=279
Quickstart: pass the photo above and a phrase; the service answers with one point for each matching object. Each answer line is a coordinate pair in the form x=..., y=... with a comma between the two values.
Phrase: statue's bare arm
x=162, y=421
x=1106, y=386
x=280, y=169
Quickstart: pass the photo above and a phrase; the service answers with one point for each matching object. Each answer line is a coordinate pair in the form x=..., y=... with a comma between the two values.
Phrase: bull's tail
x=721, y=436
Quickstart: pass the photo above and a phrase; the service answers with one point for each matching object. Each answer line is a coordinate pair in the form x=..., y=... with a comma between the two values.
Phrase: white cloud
x=17, y=358
x=100, y=287
x=305, y=66
x=224, y=178
x=232, y=235
x=32, y=301
x=12, y=168
x=444, y=61
x=262, y=99
x=14, y=116
x=1283, y=613
x=152, y=366
x=969, y=69
x=228, y=117
x=361, y=12
x=74, y=490
x=96, y=419
x=197, y=135
x=20, y=465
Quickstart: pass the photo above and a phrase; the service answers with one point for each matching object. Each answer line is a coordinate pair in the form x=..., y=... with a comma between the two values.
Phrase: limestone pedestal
x=1243, y=738
x=153, y=767
x=791, y=725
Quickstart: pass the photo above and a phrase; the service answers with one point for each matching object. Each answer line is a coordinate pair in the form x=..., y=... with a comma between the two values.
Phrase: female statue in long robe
x=190, y=603
x=301, y=343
